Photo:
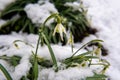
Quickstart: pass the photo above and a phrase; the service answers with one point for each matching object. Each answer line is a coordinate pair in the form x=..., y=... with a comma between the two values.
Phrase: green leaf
x=14, y=60
x=35, y=70
x=51, y=51
x=97, y=77
x=11, y=11
x=23, y=42
x=92, y=41
x=7, y=75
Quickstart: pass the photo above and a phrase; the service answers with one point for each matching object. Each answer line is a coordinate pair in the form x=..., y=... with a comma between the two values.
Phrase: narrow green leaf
x=92, y=41
x=86, y=53
x=10, y=11
x=51, y=52
x=35, y=69
x=96, y=40
x=97, y=77
x=23, y=42
x=7, y=75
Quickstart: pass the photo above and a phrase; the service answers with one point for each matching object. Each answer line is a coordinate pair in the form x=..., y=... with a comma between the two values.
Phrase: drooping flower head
x=59, y=29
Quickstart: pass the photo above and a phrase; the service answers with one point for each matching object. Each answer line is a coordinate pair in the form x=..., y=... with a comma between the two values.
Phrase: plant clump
x=76, y=60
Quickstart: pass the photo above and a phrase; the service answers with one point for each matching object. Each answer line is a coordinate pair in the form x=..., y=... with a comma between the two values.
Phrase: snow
x=74, y=5
x=39, y=12
x=4, y=3
x=18, y=71
x=67, y=74
x=25, y=51
x=2, y=22
x=105, y=17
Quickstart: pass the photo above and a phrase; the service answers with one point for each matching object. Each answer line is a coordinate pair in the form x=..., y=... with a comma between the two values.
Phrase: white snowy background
x=105, y=17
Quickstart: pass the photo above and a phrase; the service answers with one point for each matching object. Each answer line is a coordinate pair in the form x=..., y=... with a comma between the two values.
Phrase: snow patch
x=39, y=12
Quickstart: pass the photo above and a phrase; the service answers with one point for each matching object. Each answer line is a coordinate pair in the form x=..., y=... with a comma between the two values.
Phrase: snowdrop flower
x=70, y=40
x=59, y=29
x=84, y=64
x=16, y=45
x=98, y=52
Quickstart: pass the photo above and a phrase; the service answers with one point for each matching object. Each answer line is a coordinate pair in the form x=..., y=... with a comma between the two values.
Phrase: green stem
x=58, y=19
x=37, y=46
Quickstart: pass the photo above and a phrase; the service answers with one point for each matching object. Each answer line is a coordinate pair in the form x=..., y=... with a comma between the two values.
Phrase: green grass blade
x=7, y=75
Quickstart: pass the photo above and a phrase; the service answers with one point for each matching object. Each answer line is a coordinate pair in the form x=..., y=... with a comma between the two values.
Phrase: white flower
x=59, y=29
x=70, y=40
x=98, y=52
